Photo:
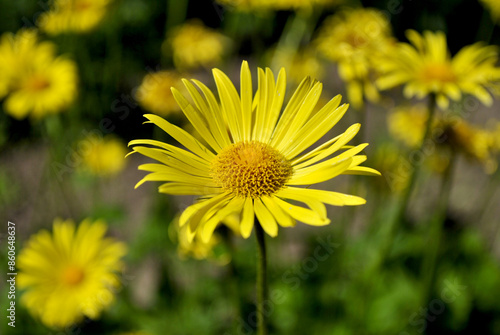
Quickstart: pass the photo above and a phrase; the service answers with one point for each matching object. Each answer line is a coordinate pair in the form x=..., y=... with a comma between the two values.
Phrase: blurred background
x=62, y=156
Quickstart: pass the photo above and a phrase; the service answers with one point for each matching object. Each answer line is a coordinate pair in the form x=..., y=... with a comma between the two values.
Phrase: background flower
x=71, y=273
x=73, y=16
x=426, y=67
x=38, y=82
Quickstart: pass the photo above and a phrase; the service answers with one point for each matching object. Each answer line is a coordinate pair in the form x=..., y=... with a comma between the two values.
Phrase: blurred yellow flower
x=36, y=82
x=257, y=159
x=302, y=63
x=407, y=124
x=73, y=16
x=247, y=5
x=494, y=7
x=155, y=93
x=452, y=133
x=426, y=67
x=200, y=249
x=70, y=274
x=355, y=39
x=194, y=45
x=103, y=157
x=392, y=164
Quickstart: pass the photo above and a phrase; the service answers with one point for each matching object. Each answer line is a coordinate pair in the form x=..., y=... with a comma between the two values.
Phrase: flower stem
x=403, y=204
x=416, y=169
x=261, y=280
x=298, y=27
x=429, y=264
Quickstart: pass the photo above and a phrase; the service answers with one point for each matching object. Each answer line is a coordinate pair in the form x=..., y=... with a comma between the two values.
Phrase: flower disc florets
x=251, y=169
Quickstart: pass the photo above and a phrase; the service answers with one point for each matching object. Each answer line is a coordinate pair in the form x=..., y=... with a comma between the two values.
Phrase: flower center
x=72, y=275
x=438, y=72
x=251, y=169
x=81, y=6
x=37, y=83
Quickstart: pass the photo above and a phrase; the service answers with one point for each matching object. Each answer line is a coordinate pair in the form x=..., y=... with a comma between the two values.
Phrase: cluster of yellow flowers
x=355, y=40
x=35, y=80
x=73, y=16
x=451, y=134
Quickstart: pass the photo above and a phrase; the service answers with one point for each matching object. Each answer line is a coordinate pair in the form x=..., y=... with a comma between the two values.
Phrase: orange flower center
x=251, y=169
x=81, y=6
x=37, y=83
x=438, y=72
x=73, y=275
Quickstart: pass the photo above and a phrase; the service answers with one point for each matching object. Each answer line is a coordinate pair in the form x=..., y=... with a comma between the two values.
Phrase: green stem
x=261, y=280
x=429, y=264
x=297, y=28
x=364, y=124
x=416, y=169
x=485, y=201
x=403, y=204
x=486, y=27
x=176, y=13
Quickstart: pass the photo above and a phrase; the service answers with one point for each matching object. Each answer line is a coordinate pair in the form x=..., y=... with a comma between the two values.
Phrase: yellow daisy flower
x=257, y=159
x=70, y=274
x=194, y=45
x=426, y=67
x=154, y=93
x=355, y=39
x=38, y=82
x=103, y=157
x=75, y=16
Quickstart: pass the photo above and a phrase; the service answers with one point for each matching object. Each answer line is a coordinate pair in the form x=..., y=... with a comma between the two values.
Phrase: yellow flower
x=449, y=134
x=494, y=7
x=426, y=67
x=199, y=249
x=75, y=16
x=392, y=163
x=70, y=274
x=37, y=82
x=355, y=39
x=302, y=64
x=155, y=95
x=194, y=45
x=103, y=157
x=255, y=162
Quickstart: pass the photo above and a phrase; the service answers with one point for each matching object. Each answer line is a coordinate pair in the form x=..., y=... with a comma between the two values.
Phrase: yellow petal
x=302, y=214
x=247, y=219
x=266, y=219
